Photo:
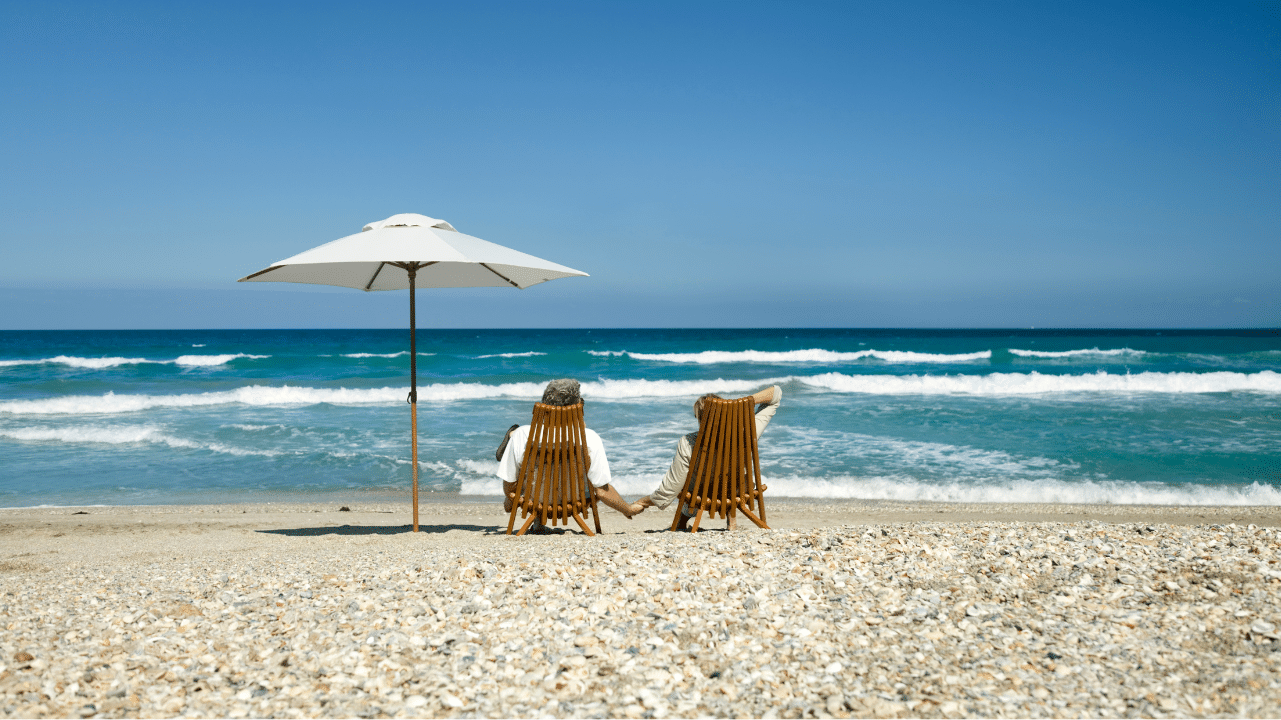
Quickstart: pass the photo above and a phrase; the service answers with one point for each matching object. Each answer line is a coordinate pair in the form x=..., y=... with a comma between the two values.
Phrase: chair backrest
x=725, y=466
x=551, y=484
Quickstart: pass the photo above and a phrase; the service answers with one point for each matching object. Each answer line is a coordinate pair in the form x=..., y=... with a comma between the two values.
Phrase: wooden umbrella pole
x=413, y=384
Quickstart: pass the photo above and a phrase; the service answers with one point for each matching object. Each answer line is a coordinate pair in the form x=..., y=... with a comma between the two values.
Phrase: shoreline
x=792, y=510
x=853, y=609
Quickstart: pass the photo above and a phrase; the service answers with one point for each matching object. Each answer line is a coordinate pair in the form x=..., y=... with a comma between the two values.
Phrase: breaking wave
x=531, y=353
x=402, y=353
x=108, y=362
x=212, y=360
x=1033, y=383
x=710, y=357
x=1085, y=492
x=123, y=436
x=994, y=384
x=1092, y=352
x=252, y=395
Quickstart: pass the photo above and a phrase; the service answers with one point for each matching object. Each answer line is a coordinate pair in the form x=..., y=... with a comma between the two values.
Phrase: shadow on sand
x=383, y=530
x=686, y=532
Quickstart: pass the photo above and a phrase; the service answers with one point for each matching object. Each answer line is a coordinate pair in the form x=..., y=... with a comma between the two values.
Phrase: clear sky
x=756, y=164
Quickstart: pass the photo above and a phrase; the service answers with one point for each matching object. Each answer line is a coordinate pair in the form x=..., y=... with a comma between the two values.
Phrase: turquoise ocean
x=211, y=416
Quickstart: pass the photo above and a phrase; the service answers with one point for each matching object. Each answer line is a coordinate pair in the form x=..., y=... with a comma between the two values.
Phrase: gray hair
x=563, y=392
x=702, y=402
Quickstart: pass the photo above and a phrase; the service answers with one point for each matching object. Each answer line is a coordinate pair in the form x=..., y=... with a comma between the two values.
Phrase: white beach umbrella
x=405, y=252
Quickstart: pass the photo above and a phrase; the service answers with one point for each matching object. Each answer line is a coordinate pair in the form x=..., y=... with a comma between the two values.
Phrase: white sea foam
x=906, y=489
x=107, y=362
x=477, y=478
x=259, y=395
x=124, y=435
x=796, y=446
x=378, y=355
x=1092, y=352
x=995, y=384
x=212, y=360
x=478, y=467
x=531, y=353
x=1092, y=492
x=482, y=486
x=252, y=395
x=628, y=389
x=711, y=357
x=79, y=362
x=467, y=476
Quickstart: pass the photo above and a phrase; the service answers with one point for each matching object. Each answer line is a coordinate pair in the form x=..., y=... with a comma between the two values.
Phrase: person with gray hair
x=561, y=393
x=673, y=483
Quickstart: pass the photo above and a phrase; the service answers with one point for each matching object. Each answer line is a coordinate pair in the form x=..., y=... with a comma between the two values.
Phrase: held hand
x=638, y=507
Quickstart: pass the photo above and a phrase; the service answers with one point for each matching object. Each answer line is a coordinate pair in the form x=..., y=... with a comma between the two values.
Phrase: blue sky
x=722, y=164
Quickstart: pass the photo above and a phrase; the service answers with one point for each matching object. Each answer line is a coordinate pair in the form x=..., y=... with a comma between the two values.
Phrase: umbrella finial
x=409, y=220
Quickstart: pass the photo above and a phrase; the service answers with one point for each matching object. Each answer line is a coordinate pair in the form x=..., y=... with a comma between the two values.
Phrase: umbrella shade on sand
x=409, y=251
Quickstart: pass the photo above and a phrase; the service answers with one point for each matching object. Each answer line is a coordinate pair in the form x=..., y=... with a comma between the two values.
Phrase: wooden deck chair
x=551, y=484
x=725, y=467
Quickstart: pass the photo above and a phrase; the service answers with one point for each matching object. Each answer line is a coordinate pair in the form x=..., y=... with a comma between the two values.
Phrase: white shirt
x=597, y=473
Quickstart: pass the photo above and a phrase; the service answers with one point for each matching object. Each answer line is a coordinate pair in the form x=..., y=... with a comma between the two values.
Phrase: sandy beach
x=847, y=609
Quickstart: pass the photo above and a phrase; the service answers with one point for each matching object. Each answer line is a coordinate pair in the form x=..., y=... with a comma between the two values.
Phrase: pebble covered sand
x=931, y=618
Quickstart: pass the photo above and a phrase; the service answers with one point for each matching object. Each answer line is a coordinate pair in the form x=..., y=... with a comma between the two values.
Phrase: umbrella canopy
x=377, y=259
x=408, y=251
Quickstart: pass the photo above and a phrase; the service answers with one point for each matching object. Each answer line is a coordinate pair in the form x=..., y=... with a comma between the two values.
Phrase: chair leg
x=697, y=518
x=528, y=522
x=760, y=522
x=511, y=517
x=582, y=524
x=731, y=519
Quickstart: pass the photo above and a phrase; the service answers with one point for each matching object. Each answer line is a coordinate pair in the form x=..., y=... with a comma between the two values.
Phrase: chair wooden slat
x=553, y=486
x=734, y=478
x=715, y=488
x=572, y=467
x=758, y=488
x=584, y=461
x=703, y=497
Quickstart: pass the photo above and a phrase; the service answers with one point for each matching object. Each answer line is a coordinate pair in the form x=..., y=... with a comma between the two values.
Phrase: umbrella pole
x=413, y=387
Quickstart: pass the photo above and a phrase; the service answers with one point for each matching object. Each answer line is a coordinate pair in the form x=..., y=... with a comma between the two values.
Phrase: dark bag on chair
x=502, y=446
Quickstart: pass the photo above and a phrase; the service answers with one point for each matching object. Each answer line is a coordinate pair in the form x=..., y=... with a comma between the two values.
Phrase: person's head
x=562, y=393
x=701, y=402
